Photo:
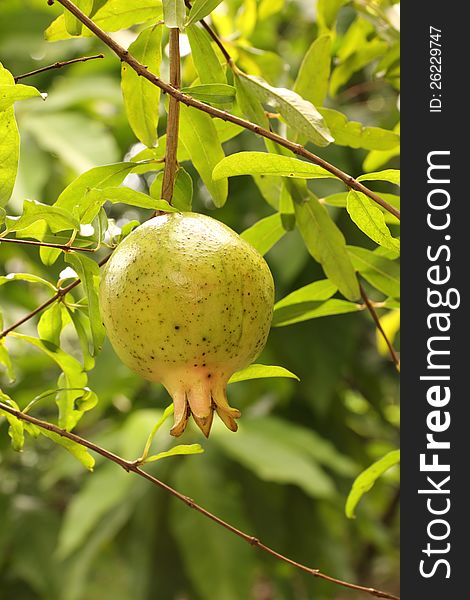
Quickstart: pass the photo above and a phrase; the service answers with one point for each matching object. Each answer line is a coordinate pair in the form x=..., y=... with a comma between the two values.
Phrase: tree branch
x=64, y=247
x=58, y=65
x=132, y=466
x=297, y=149
x=172, y=130
x=375, y=317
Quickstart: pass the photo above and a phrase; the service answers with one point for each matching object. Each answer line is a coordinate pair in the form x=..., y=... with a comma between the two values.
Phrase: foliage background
x=69, y=535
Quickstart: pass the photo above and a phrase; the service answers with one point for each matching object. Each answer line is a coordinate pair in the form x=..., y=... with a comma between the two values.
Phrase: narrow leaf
x=182, y=192
x=357, y=135
x=89, y=273
x=264, y=163
x=72, y=24
x=9, y=145
x=265, y=233
x=16, y=427
x=299, y=113
x=370, y=219
x=391, y=175
x=365, y=481
x=200, y=9
x=382, y=273
x=29, y=277
x=212, y=93
x=141, y=98
x=57, y=218
x=182, y=449
x=315, y=309
x=199, y=136
x=314, y=72
x=134, y=198
x=112, y=16
x=79, y=452
x=205, y=59
x=75, y=195
x=326, y=244
x=261, y=372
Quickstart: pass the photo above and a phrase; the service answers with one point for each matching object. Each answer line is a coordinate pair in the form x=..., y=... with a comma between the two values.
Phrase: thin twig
x=298, y=149
x=59, y=294
x=64, y=247
x=375, y=317
x=172, y=130
x=132, y=466
x=58, y=65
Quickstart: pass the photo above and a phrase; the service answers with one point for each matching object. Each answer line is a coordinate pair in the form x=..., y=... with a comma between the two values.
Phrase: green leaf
x=6, y=361
x=200, y=9
x=182, y=193
x=29, y=277
x=314, y=73
x=366, y=53
x=72, y=24
x=112, y=16
x=16, y=426
x=142, y=98
x=299, y=113
x=180, y=450
x=57, y=218
x=82, y=326
x=50, y=324
x=380, y=272
x=265, y=233
x=78, y=451
x=212, y=93
x=366, y=480
x=326, y=244
x=304, y=311
x=9, y=144
x=75, y=196
x=199, y=136
x=249, y=103
x=89, y=273
x=378, y=158
x=327, y=11
x=370, y=219
x=174, y=13
x=261, y=372
x=205, y=59
x=275, y=458
x=74, y=377
x=356, y=135
x=390, y=175
x=313, y=292
x=134, y=198
x=9, y=94
x=264, y=163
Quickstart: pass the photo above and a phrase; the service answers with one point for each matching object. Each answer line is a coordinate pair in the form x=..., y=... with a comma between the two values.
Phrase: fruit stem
x=171, y=161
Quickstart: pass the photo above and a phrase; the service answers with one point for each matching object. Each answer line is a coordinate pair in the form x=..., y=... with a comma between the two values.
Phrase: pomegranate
x=186, y=303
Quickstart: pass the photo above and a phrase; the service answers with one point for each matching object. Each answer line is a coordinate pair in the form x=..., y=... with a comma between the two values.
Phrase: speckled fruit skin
x=186, y=302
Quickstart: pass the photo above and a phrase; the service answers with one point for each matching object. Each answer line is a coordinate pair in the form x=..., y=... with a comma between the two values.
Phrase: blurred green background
x=66, y=534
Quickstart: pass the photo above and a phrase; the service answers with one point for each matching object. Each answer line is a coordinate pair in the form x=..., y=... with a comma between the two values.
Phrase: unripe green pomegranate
x=186, y=303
